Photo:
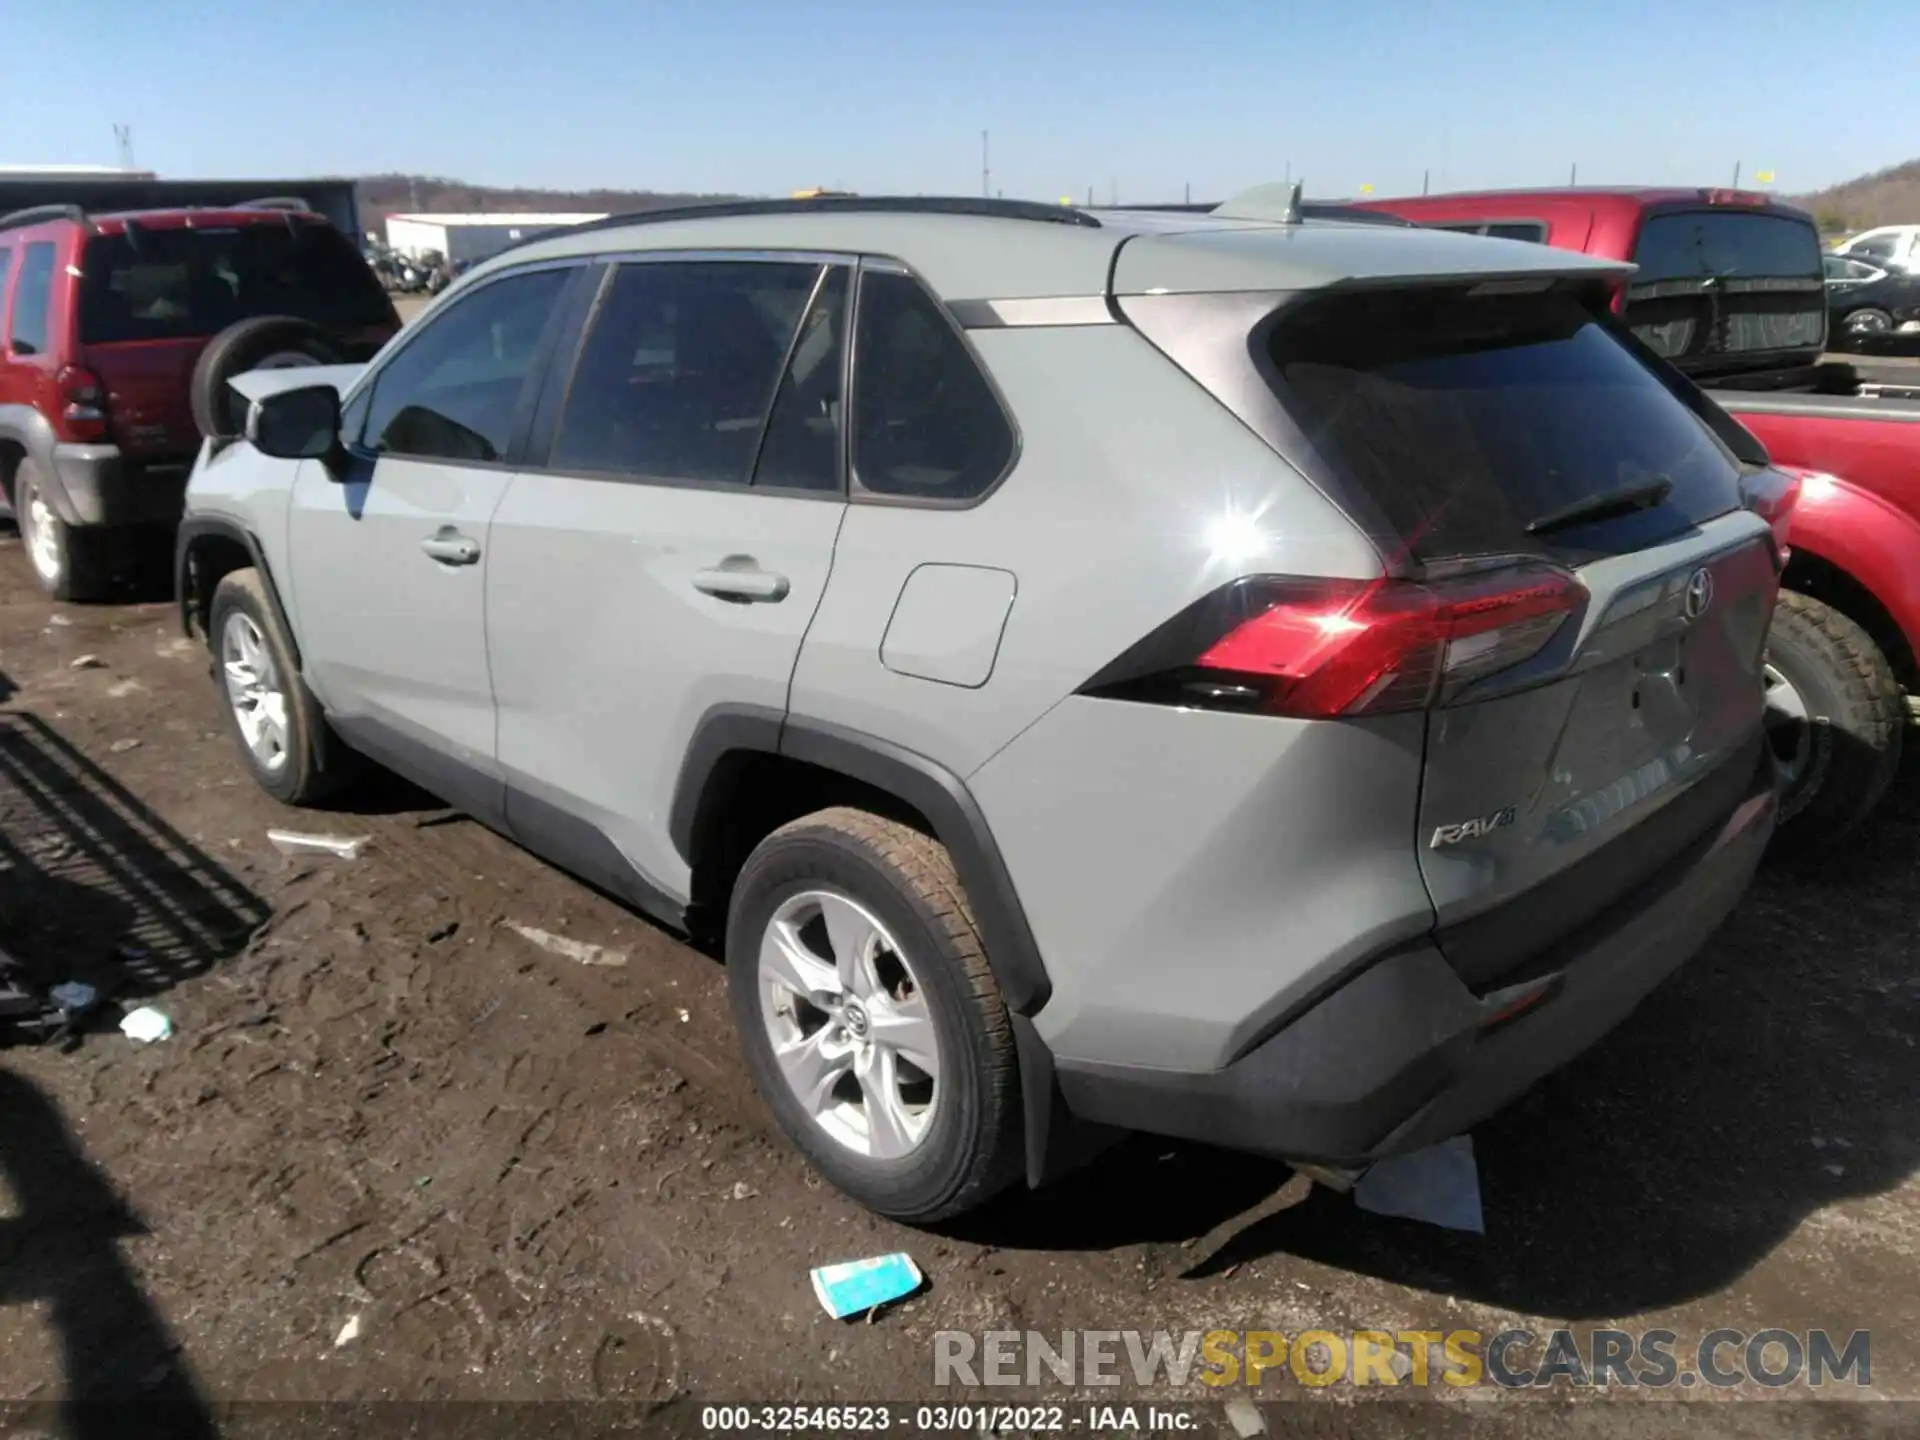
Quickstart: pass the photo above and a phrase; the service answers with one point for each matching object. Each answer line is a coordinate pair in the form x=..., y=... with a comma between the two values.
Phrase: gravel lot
x=526, y=1179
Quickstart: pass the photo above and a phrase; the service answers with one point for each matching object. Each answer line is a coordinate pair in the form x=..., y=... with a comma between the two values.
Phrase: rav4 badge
x=1476, y=829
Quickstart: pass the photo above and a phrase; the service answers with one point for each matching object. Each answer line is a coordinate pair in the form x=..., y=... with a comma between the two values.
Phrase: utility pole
x=985, y=173
x=1573, y=173
x=1189, y=193
x=1089, y=197
x=1425, y=175
x=1736, y=175
x=123, y=142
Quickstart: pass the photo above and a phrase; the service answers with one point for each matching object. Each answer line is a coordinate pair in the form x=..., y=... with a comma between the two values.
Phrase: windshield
x=155, y=284
x=1466, y=419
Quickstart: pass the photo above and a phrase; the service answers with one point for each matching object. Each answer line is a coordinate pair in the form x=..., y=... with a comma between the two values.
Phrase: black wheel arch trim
x=197, y=527
x=932, y=789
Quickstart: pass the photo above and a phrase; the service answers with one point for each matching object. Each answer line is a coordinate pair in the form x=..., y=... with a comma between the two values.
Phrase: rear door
x=1493, y=431
x=668, y=554
x=1728, y=289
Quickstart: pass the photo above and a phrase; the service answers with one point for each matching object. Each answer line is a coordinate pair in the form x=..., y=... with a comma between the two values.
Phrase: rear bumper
x=101, y=487
x=1402, y=1055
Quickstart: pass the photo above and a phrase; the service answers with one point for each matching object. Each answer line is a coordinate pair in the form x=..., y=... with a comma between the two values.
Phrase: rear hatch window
x=1725, y=289
x=1479, y=424
x=178, y=283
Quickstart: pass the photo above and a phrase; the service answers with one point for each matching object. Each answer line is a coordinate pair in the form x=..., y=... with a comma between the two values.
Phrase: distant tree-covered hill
x=1886, y=197
x=384, y=195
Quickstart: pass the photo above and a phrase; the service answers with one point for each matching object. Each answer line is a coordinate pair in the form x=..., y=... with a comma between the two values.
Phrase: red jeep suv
x=118, y=334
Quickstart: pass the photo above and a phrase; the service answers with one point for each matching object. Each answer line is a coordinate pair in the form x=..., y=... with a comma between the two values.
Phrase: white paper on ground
x=1440, y=1185
x=145, y=1025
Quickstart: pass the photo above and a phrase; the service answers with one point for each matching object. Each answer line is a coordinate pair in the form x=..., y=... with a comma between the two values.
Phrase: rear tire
x=280, y=741
x=264, y=342
x=71, y=562
x=1840, y=751
x=1867, y=321
x=954, y=1137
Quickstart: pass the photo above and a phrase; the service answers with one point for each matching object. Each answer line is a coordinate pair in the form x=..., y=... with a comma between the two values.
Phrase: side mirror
x=301, y=424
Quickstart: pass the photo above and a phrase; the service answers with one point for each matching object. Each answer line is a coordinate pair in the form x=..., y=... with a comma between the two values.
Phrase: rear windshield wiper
x=1623, y=500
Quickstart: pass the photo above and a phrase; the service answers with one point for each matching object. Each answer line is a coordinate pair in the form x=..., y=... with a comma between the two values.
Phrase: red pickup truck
x=1730, y=289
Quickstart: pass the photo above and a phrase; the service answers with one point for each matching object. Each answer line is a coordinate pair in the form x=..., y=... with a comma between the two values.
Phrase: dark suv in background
x=120, y=333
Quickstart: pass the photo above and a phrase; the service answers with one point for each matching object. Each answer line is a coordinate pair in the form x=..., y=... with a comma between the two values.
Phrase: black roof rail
x=980, y=207
x=275, y=202
x=40, y=214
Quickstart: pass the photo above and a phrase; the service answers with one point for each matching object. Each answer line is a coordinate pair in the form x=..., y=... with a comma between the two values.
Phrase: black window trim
x=565, y=366
x=369, y=379
x=857, y=493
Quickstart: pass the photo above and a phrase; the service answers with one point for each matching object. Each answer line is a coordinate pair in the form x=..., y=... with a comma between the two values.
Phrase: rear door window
x=801, y=450
x=1725, y=284
x=1465, y=419
x=174, y=283
x=32, y=300
x=680, y=368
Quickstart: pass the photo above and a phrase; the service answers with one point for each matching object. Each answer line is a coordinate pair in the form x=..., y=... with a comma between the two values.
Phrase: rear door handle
x=450, y=547
x=743, y=585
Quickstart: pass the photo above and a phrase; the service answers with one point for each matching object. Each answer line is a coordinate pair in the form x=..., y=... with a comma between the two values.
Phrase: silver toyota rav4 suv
x=1282, y=683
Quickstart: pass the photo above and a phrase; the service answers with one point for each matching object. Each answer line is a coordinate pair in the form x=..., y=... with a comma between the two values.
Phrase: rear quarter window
x=1463, y=419
x=32, y=300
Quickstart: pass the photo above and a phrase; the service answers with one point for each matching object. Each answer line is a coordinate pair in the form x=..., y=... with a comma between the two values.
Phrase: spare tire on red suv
x=265, y=342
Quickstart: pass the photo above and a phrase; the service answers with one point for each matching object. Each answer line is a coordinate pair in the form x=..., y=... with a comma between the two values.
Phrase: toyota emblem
x=1699, y=593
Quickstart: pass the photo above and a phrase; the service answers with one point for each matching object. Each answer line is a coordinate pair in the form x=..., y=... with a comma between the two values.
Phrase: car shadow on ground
x=1774, y=1075
x=59, y=1250
x=96, y=888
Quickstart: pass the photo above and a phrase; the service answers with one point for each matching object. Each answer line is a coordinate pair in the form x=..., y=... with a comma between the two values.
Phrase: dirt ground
x=521, y=1178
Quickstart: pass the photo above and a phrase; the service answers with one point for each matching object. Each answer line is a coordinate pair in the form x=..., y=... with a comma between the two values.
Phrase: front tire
x=1835, y=717
x=270, y=712
x=70, y=562
x=871, y=1021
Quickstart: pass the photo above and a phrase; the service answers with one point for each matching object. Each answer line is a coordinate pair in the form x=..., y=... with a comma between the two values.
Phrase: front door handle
x=742, y=585
x=450, y=547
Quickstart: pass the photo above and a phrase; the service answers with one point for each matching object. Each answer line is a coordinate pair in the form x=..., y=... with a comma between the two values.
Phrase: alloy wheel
x=254, y=690
x=43, y=539
x=851, y=1027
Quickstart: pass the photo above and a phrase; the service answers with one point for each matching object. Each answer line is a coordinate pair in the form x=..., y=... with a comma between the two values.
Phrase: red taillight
x=1319, y=648
x=83, y=403
x=1772, y=494
x=1752, y=199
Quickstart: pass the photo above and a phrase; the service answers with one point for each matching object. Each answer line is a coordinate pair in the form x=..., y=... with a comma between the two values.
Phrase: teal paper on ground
x=854, y=1286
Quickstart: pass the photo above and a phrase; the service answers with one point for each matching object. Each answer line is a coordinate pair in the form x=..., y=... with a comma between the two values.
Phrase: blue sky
x=764, y=97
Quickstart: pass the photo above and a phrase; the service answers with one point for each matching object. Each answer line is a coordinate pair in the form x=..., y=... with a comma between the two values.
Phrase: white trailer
x=471, y=237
